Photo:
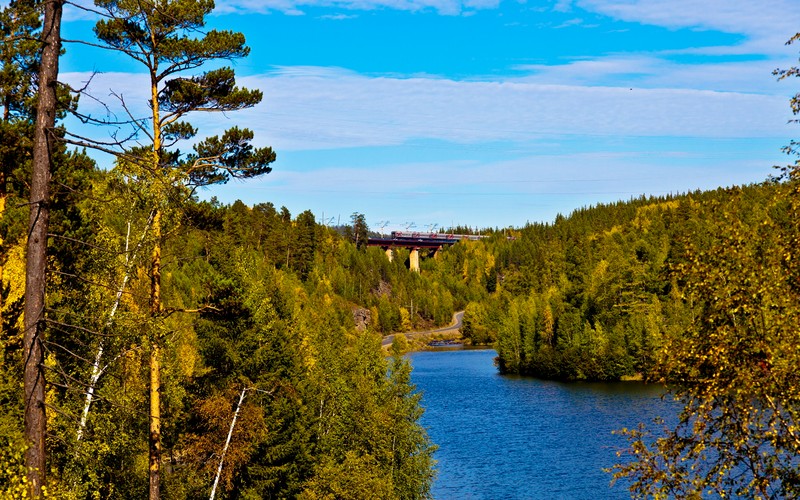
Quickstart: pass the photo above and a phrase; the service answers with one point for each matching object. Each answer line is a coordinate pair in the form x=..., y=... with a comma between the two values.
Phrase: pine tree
x=160, y=35
x=305, y=242
x=36, y=257
x=359, y=231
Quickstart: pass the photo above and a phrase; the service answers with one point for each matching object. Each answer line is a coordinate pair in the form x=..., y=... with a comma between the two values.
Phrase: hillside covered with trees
x=595, y=295
x=256, y=301
x=153, y=342
x=699, y=292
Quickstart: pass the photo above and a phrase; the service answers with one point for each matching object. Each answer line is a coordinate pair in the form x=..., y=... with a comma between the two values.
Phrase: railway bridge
x=415, y=242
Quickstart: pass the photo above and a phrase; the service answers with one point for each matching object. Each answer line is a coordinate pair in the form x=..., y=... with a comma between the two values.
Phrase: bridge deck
x=409, y=242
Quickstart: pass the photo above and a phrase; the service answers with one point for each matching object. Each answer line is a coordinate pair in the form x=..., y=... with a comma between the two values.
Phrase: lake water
x=504, y=437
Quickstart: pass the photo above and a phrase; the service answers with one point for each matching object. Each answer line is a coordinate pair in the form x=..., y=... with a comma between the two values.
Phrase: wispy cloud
x=445, y=7
x=576, y=144
x=765, y=24
x=338, y=17
x=310, y=108
x=317, y=111
x=563, y=6
x=658, y=71
x=532, y=187
x=571, y=22
x=558, y=135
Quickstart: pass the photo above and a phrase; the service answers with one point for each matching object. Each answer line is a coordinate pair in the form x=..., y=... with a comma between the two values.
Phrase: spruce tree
x=19, y=61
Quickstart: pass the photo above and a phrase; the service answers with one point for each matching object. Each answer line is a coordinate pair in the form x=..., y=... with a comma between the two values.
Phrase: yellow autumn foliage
x=14, y=277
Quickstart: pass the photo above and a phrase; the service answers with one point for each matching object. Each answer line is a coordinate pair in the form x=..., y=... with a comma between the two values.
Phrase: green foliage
x=19, y=63
x=699, y=290
x=162, y=37
x=358, y=231
x=216, y=159
x=322, y=401
x=19, y=59
x=13, y=475
x=274, y=300
x=599, y=295
x=592, y=296
x=168, y=39
x=733, y=369
x=581, y=298
x=477, y=326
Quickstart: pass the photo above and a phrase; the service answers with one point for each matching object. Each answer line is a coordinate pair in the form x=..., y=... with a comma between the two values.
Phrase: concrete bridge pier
x=390, y=254
x=413, y=260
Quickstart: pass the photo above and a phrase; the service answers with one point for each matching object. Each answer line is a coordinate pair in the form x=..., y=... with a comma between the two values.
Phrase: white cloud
x=594, y=101
x=651, y=71
x=487, y=193
x=446, y=7
x=106, y=98
x=338, y=17
x=763, y=18
x=309, y=108
x=726, y=15
x=569, y=23
x=80, y=10
x=563, y=6
x=316, y=111
x=766, y=24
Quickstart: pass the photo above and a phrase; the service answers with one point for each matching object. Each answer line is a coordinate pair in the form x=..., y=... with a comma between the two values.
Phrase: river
x=505, y=437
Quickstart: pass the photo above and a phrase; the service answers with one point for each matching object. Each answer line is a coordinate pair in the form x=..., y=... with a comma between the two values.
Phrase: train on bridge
x=408, y=235
x=414, y=241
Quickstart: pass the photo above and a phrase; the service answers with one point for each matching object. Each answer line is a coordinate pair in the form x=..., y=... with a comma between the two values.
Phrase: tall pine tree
x=36, y=257
x=162, y=37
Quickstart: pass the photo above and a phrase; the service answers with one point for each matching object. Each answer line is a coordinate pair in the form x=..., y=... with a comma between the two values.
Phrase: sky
x=426, y=114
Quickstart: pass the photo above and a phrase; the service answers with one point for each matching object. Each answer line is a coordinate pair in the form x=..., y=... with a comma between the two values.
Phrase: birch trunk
x=227, y=443
x=97, y=371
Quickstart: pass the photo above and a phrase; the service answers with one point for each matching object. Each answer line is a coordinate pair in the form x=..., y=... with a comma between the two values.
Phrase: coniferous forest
x=189, y=346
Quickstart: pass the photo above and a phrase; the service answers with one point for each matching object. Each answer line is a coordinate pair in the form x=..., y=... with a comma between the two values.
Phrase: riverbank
x=420, y=340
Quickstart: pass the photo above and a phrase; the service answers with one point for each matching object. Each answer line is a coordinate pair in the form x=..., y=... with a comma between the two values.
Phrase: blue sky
x=494, y=113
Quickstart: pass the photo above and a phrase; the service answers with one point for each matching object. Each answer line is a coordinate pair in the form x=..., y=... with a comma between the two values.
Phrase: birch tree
x=735, y=368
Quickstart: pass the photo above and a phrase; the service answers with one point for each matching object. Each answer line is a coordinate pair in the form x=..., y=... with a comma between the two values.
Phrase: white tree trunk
x=97, y=371
x=227, y=443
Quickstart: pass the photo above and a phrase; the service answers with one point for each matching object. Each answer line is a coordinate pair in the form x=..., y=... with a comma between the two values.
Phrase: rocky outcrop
x=361, y=318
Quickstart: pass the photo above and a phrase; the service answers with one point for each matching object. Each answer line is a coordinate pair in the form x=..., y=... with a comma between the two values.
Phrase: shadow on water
x=503, y=436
